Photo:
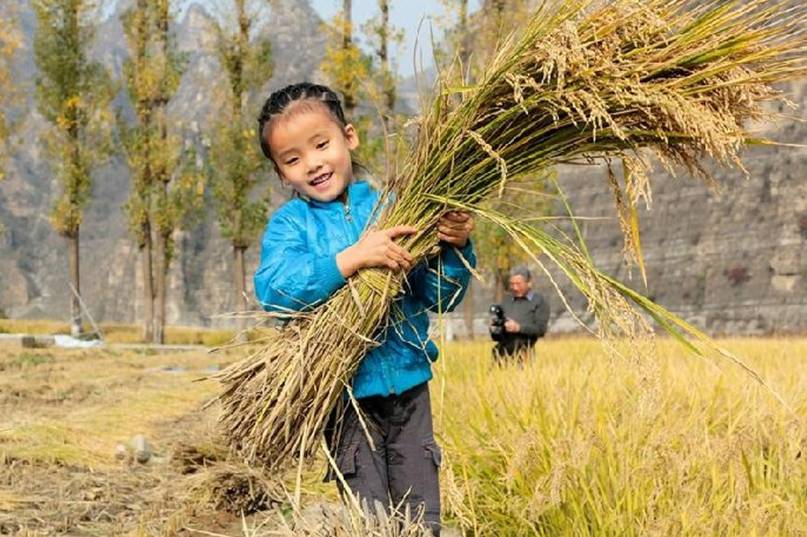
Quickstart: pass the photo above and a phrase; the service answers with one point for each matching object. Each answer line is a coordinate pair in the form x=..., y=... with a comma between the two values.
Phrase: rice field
x=575, y=443
x=578, y=443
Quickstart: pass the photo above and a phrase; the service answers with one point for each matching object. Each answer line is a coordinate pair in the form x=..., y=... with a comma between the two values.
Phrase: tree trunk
x=148, y=285
x=464, y=44
x=163, y=229
x=160, y=281
x=499, y=282
x=73, y=267
x=347, y=14
x=347, y=41
x=241, y=303
x=383, y=56
x=161, y=237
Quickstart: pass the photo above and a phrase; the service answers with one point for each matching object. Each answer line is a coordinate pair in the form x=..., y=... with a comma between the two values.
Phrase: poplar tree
x=382, y=35
x=344, y=65
x=10, y=41
x=73, y=93
x=138, y=140
x=237, y=165
x=458, y=38
x=360, y=77
x=167, y=183
x=178, y=182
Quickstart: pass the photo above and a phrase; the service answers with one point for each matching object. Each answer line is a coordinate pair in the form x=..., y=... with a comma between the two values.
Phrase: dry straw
x=584, y=81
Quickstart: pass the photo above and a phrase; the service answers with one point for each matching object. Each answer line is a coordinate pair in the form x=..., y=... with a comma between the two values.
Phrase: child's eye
x=292, y=160
x=322, y=145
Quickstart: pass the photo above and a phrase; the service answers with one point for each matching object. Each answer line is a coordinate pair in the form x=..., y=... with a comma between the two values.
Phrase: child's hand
x=455, y=227
x=376, y=249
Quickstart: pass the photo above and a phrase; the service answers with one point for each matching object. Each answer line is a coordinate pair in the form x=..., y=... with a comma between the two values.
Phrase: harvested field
x=64, y=413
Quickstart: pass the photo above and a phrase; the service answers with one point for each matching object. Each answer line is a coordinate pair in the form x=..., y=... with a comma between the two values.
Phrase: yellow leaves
x=66, y=216
x=147, y=81
x=77, y=112
x=64, y=122
x=344, y=68
x=343, y=64
x=73, y=103
x=9, y=43
x=200, y=186
x=11, y=40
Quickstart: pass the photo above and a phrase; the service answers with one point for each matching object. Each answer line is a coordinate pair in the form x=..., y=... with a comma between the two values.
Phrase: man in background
x=526, y=315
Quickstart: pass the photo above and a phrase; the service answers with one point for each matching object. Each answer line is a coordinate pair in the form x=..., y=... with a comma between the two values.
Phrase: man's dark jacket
x=531, y=313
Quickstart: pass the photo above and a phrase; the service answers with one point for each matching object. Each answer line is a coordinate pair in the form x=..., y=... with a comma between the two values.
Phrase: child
x=312, y=244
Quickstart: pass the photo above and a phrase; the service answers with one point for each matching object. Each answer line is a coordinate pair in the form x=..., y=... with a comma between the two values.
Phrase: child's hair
x=280, y=100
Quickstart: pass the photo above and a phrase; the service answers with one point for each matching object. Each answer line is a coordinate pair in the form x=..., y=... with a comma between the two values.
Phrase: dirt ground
x=68, y=464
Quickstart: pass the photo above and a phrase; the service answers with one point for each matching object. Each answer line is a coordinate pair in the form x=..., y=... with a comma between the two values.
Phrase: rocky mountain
x=730, y=260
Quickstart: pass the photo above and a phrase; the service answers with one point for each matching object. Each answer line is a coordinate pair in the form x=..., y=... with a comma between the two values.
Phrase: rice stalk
x=329, y=520
x=586, y=81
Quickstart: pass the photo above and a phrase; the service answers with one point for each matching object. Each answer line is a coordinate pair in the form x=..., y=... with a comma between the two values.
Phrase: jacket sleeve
x=290, y=277
x=538, y=320
x=442, y=290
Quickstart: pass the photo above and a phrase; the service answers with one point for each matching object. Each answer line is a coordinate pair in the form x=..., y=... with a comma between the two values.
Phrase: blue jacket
x=298, y=271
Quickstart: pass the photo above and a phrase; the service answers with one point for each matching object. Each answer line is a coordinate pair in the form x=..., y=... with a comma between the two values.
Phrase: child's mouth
x=320, y=179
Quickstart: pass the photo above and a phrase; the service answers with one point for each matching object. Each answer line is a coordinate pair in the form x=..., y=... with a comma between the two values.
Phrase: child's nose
x=313, y=163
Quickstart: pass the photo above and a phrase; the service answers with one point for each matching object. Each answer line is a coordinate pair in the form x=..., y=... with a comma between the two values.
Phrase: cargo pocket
x=345, y=463
x=429, y=484
x=432, y=451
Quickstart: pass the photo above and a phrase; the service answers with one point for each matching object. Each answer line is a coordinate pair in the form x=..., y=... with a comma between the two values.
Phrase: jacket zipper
x=353, y=233
x=349, y=228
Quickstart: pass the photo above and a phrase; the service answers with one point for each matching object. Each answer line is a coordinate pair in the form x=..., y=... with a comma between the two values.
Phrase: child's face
x=312, y=153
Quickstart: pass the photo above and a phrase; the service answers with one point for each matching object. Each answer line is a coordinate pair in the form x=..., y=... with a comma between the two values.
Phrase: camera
x=496, y=321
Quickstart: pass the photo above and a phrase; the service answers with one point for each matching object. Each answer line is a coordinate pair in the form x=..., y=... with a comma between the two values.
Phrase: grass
x=27, y=359
x=122, y=333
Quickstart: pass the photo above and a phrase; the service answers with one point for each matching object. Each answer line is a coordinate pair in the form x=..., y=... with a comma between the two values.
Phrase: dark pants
x=513, y=349
x=403, y=469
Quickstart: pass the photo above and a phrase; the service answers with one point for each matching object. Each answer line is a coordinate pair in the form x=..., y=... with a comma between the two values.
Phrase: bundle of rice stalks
x=585, y=81
x=235, y=488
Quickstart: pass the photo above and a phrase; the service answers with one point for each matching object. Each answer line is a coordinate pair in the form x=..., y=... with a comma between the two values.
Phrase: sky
x=405, y=14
